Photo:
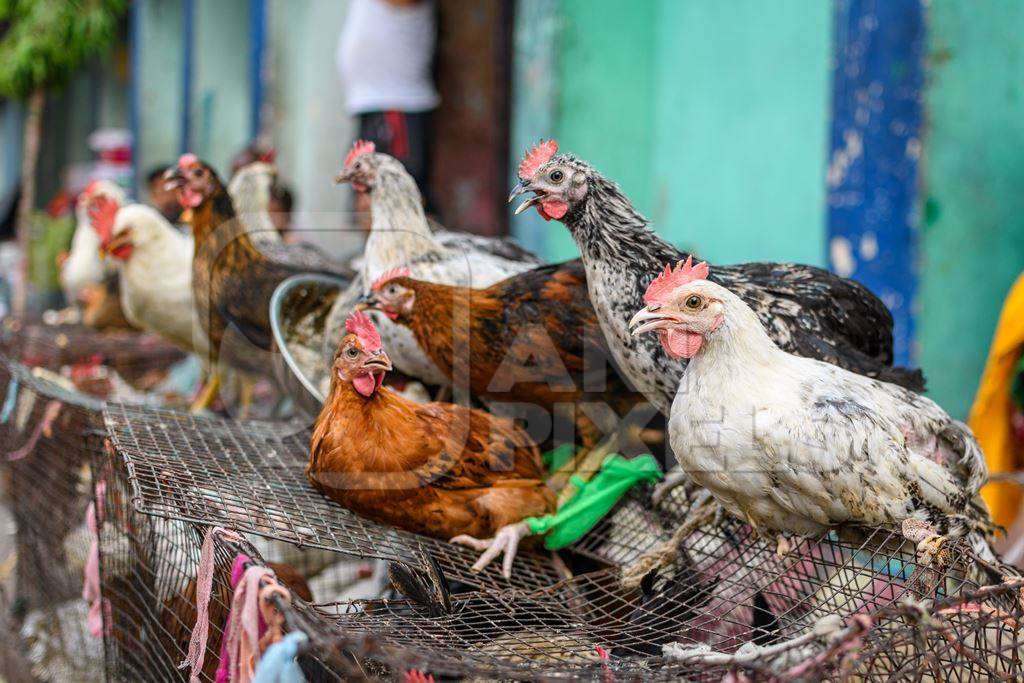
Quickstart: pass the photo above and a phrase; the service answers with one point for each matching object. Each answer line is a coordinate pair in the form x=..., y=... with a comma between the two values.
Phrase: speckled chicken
x=796, y=444
x=532, y=339
x=805, y=310
x=437, y=469
x=401, y=236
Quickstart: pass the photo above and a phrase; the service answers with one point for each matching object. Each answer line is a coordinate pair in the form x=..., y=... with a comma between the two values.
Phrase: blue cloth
x=9, y=401
x=278, y=664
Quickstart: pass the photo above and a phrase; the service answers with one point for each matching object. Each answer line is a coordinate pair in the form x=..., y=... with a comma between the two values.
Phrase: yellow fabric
x=990, y=414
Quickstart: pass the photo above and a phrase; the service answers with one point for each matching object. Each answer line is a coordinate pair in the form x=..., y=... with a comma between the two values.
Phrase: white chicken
x=155, y=262
x=400, y=236
x=250, y=192
x=792, y=444
x=83, y=267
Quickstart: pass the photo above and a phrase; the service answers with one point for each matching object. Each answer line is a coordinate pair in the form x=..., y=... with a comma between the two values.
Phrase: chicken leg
x=208, y=394
x=506, y=541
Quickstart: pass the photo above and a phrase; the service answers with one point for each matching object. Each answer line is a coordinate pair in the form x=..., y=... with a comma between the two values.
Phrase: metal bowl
x=298, y=311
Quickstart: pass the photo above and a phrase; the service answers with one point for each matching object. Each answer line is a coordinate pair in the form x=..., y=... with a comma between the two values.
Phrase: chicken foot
x=207, y=396
x=506, y=541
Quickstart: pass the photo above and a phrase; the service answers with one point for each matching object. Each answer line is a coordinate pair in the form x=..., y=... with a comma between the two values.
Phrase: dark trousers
x=408, y=138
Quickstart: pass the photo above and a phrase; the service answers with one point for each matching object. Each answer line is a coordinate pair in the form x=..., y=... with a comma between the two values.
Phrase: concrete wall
x=159, y=82
x=712, y=117
x=310, y=128
x=973, y=230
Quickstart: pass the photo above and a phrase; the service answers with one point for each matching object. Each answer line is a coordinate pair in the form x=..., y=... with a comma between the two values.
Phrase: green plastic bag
x=593, y=499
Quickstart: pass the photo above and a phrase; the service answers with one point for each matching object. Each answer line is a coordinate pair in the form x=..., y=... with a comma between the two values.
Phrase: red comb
x=538, y=155
x=187, y=160
x=360, y=325
x=102, y=211
x=669, y=280
x=359, y=148
x=389, y=275
x=268, y=156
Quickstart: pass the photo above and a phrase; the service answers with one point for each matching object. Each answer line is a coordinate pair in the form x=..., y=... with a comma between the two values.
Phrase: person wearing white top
x=385, y=57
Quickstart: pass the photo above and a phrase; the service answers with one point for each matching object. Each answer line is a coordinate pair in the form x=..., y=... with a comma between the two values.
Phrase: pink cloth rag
x=91, y=585
x=204, y=585
x=45, y=426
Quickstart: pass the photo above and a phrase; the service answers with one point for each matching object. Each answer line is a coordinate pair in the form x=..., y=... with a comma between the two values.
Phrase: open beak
x=378, y=363
x=109, y=247
x=522, y=187
x=647, y=320
x=367, y=301
x=173, y=178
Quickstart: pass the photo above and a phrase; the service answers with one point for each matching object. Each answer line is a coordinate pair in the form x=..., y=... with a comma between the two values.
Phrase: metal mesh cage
x=700, y=603
x=50, y=428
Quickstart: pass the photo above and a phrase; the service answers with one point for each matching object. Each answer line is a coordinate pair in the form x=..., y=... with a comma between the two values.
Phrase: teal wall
x=712, y=116
x=159, y=82
x=973, y=228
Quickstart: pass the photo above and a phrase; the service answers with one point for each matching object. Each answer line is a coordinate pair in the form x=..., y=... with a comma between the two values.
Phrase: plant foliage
x=43, y=42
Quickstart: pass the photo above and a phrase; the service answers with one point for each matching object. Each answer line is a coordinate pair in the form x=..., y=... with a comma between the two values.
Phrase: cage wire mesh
x=148, y=569
x=136, y=359
x=647, y=601
x=51, y=425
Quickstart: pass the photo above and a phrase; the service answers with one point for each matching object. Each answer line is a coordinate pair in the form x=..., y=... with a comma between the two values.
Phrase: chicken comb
x=360, y=325
x=188, y=160
x=359, y=148
x=102, y=211
x=671, y=279
x=389, y=275
x=268, y=156
x=538, y=155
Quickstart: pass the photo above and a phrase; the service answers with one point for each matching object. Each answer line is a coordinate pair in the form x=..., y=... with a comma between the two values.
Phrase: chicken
x=436, y=469
x=400, y=236
x=233, y=278
x=155, y=264
x=532, y=339
x=250, y=192
x=806, y=310
x=795, y=444
x=83, y=267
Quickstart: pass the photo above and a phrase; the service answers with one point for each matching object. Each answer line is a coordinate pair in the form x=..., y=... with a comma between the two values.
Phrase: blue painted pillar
x=257, y=43
x=873, y=207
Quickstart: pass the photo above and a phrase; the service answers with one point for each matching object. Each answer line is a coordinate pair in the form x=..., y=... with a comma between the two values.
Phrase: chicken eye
x=351, y=352
x=693, y=302
x=392, y=290
x=556, y=176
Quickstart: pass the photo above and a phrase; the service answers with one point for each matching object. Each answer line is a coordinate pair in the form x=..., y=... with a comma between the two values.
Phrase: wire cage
x=659, y=592
x=51, y=426
x=148, y=569
x=138, y=358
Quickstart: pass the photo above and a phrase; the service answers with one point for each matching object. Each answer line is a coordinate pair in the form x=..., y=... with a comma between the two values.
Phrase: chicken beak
x=344, y=176
x=527, y=204
x=646, y=320
x=378, y=363
x=366, y=302
x=521, y=188
x=173, y=178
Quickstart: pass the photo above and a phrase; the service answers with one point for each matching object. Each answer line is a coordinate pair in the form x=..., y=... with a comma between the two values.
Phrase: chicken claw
x=505, y=541
x=672, y=480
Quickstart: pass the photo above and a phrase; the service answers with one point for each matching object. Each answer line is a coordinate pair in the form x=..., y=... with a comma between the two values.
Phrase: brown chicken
x=233, y=278
x=530, y=339
x=436, y=469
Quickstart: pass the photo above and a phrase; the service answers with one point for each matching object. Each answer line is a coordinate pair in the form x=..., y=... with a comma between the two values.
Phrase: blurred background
x=878, y=138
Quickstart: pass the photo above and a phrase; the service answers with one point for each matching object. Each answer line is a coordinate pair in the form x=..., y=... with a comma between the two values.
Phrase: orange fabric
x=990, y=414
